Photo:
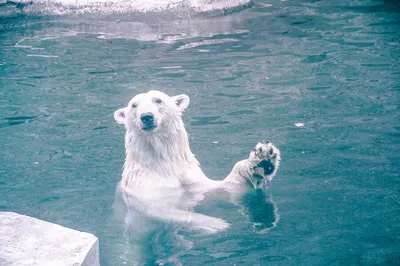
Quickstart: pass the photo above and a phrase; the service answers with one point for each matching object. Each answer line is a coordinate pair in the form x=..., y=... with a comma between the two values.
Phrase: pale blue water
x=252, y=74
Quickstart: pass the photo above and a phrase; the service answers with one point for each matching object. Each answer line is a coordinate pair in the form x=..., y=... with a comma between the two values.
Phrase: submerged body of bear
x=160, y=171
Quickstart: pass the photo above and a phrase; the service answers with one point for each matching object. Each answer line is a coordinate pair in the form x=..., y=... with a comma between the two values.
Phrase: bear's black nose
x=147, y=118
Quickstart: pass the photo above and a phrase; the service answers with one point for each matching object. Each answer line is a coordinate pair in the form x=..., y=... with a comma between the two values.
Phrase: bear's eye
x=158, y=101
x=134, y=105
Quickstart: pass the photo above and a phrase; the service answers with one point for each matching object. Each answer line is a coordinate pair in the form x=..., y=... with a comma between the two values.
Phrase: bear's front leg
x=258, y=169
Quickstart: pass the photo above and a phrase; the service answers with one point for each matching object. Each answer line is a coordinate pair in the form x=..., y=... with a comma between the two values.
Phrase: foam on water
x=126, y=6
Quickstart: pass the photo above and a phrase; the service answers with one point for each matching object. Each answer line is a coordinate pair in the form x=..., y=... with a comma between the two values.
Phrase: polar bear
x=161, y=176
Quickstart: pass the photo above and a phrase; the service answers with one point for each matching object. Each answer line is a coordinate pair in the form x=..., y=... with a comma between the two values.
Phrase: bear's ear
x=119, y=116
x=182, y=101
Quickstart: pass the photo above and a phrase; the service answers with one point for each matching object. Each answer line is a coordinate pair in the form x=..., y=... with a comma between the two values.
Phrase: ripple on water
x=210, y=120
x=205, y=42
x=243, y=112
x=16, y=120
x=311, y=59
x=228, y=95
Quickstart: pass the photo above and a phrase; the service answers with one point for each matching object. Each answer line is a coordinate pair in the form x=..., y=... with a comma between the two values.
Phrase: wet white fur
x=160, y=169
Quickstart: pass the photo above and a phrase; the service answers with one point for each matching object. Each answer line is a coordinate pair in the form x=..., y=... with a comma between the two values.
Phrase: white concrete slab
x=29, y=241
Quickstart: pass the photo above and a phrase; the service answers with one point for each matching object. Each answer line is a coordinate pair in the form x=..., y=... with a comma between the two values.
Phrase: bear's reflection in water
x=158, y=225
x=261, y=210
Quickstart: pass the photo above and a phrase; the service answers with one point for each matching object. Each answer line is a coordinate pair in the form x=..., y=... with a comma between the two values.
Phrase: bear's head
x=149, y=112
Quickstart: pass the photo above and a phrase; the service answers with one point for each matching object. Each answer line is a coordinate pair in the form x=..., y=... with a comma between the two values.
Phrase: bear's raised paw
x=265, y=159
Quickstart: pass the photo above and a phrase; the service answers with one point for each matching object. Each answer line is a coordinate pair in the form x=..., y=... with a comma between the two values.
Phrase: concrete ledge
x=29, y=241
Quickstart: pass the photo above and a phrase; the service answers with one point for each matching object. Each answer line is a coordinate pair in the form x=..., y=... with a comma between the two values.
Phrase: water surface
x=320, y=79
